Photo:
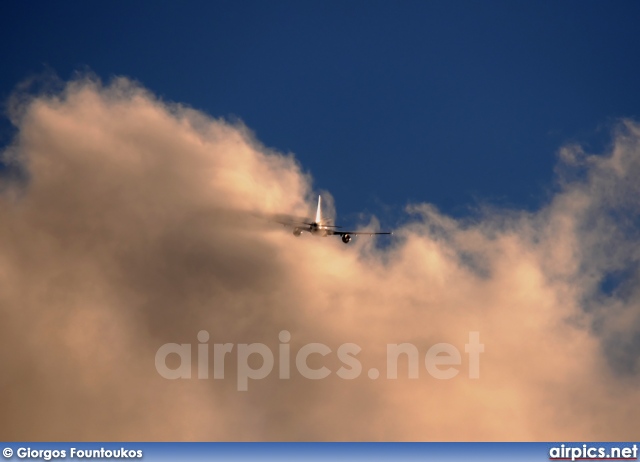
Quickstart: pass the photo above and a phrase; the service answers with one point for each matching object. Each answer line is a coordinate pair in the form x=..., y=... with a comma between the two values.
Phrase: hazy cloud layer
x=134, y=223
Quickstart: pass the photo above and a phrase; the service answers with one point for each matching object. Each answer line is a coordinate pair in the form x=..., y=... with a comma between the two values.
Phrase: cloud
x=134, y=225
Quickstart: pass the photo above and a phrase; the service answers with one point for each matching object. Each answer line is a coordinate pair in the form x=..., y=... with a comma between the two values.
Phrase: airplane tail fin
x=319, y=211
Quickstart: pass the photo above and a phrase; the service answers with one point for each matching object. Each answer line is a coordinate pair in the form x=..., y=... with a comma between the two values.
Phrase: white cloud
x=131, y=232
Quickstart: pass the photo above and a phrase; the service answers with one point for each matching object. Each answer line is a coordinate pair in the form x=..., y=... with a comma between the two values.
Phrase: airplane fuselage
x=315, y=229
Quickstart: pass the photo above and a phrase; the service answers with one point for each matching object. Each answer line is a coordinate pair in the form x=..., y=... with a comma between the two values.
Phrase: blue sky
x=384, y=103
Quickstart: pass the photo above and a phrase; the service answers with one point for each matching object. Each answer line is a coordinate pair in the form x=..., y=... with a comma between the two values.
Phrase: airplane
x=320, y=226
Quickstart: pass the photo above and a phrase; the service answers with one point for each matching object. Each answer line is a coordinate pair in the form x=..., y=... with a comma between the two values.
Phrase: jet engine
x=346, y=238
x=297, y=231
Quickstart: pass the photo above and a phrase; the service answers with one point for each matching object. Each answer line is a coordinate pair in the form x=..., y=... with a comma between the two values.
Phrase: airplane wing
x=357, y=233
x=346, y=236
x=290, y=220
